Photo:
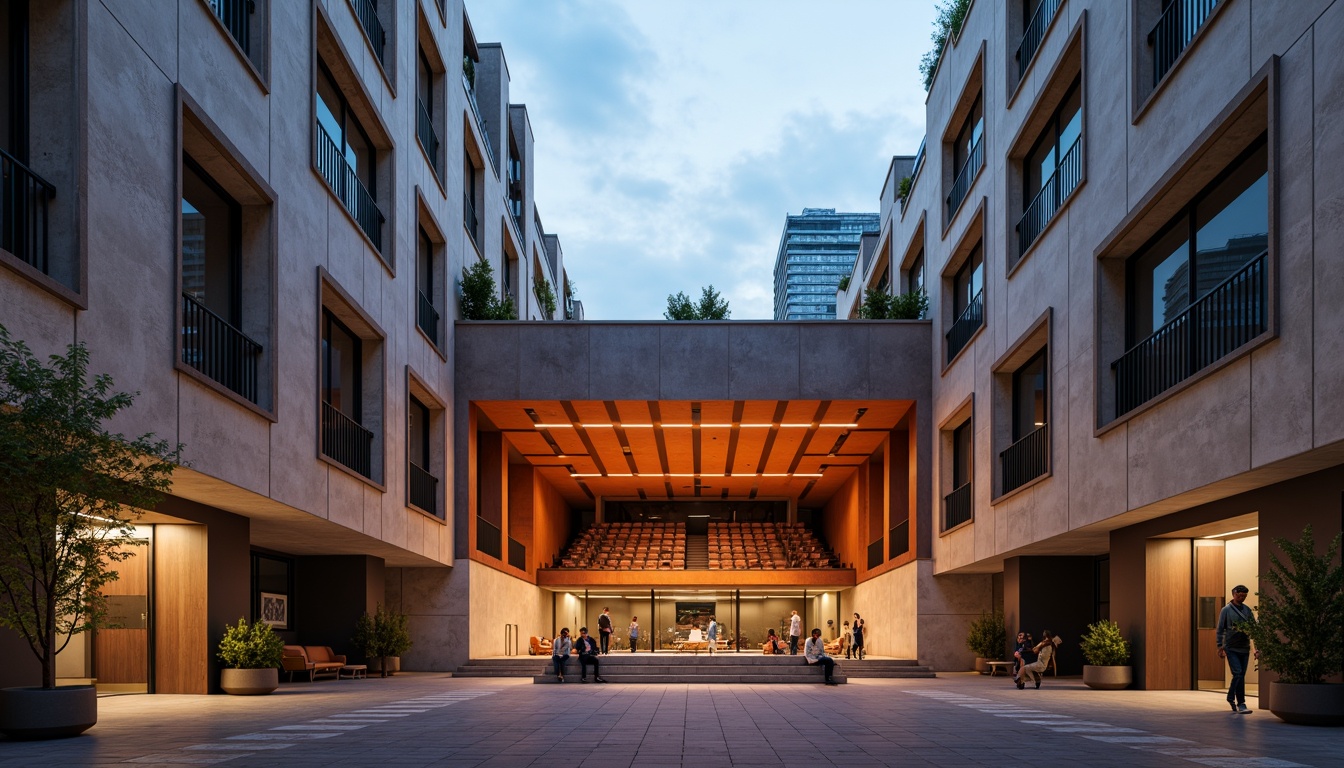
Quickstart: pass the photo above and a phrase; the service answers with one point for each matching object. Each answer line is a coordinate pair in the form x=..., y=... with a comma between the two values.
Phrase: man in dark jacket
x=604, y=630
x=1235, y=646
x=588, y=650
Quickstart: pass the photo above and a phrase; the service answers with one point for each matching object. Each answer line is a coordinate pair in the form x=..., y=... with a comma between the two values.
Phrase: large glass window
x=344, y=130
x=968, y=282
x=962, y=448
x=341, y=366
x=969, y=136
x=1029, y=397
x=211, y=264
x=914, y=279
x=1058, y=138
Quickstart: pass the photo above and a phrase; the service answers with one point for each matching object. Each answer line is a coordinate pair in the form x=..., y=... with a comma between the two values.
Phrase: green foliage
x=469, y=71
x=903, y=189
x=1300, y=629
x=479, y=298
x=711, y=306
x=545, y=294
x=844, y=283
x=569, y=298
x=69, y=494
x=880, y=305
x=383, y=633
x=987, y=638
x=254, y=647
x=1103, y=645
x=947, y=25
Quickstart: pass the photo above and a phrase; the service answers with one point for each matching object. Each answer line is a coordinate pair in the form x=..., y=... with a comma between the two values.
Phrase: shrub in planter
x=1107, y=654
x=987, y=639
x=251, y=655
x=383, y=636
x=1299, y=631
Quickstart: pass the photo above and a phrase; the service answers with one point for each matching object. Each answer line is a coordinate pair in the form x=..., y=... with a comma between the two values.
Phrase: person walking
x=857, y=629
x=712, y=634
x=815, y=653
x=588, y=652
x=846, y=639
x=634, y=633
x=560, y=649
x=795, y=630
x=604, y=629
x=1235, y=646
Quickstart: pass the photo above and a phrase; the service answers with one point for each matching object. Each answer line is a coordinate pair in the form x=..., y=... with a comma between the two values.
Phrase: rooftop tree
x=711, y=306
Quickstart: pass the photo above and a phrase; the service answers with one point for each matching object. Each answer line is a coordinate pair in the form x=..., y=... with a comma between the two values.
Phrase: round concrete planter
x=393, y=664
x=35, y=713
x=1310, y=704
x=982, y=665
x=249, y=682
x=1107, y=678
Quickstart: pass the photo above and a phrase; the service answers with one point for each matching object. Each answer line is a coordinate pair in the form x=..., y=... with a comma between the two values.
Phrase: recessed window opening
x=1053, y=167
x=425, y=109
x=346, y=157
x=343, y=436
x=1036, y=15
x=27, y=197
x=469, y=184
x=957, y=504
x=914, y=277
x=427, y=313
x=968, y=301
x=423, y=485
x=1028, y=456
x=967, y=155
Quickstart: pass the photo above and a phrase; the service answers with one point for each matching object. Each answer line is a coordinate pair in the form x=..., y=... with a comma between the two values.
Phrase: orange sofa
x=313, y=659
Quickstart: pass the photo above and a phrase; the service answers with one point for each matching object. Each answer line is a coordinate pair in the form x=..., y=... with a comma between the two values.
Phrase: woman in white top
x=1044, y=650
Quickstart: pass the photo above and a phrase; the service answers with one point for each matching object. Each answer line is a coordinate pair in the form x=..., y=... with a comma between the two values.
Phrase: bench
x=995, y=666
x=313, y=659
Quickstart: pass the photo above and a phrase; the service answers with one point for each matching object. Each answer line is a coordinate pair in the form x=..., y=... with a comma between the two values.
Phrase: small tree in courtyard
x=711, y=306
x=479, y=298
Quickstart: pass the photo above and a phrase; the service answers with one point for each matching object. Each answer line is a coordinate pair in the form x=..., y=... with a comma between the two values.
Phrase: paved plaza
x=435, y=720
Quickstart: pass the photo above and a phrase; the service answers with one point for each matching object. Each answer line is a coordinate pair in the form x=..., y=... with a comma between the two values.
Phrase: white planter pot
x=249, y=682
x=1107, y=678
x=1307, y=704
x=34, y=713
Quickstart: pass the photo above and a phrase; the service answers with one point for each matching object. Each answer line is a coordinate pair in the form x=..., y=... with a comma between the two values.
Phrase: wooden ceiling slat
x=823, y=439
x=569, y=441
x=800, y=411
x=506, y=415
x=782, y=453
x=714, y=450
x=680, y=457
x=529, y=442
x=863, y=442
x=608, y=448
x=634, y=411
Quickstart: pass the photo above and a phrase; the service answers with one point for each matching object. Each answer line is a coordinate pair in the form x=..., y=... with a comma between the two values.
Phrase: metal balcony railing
x=517, y=554
x=233, y=14
x=344, y=440
x=1227, y=317
x=345, y=183
x=972, y=317
x=480, y=122
x=875, y=553
x=25, y=200
x=427, y=317
x=211, y=345
x=1054, y=192
x=914, y=173
x=1025, y=460
x=1034, y=33
x=367, y=11
x=488, y=538
x=429, y=139
x=469, y=217
x=423, y=488
x=966, y=177
x=957, y=507
x=1174, y=31
x=898, y=540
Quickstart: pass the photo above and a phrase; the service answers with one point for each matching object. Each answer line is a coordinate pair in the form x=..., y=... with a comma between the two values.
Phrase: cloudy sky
x=672, y=137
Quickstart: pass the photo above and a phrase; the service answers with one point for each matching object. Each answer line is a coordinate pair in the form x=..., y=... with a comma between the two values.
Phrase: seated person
x=1043, y=650
x=815, y=653
x=773, y=643
x=1022, y=653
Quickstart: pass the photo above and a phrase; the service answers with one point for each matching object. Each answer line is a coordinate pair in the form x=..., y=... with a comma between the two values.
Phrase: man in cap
x=1235, y=646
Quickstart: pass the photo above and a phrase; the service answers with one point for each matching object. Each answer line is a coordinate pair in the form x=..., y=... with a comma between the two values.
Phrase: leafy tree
x=951, y=15
x=545, y=294
x=987, y=637
x=382, y=634
x=880, y=305
x=711, y=306
x=479, y=297
x=903, y=189
x=844, y=283
x=70, y=492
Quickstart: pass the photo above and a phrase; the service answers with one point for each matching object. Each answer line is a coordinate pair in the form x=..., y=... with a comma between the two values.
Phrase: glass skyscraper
x=816, y=250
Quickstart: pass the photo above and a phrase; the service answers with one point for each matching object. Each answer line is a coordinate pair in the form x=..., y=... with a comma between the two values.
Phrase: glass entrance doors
x=1219, y=565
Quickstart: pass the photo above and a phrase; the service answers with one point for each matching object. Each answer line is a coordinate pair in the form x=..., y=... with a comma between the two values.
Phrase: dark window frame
x=967, y=272
x=346, y=118
x=963, y=457
x=331, y=322
x=1053, y=131
x=968, y=135
x=235, y=249
x=1021, y=429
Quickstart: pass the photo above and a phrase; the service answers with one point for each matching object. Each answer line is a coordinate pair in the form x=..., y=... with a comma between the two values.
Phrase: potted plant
x=69, y=494
x=1299, y=632
x=251, y=655
x=987, y=639
x=1107, y=656
x=383, y=636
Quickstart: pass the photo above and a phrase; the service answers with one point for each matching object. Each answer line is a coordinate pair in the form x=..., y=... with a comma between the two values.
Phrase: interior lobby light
x=1231, y=533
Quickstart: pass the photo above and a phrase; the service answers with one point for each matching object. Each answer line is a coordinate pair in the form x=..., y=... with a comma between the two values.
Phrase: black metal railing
x=957, y=507
x=25, y=200
x=429, y=139
x=517, y=554
x=899, y=540
x=1054, y=192
x=480, y=121
x=875, y=553
x=469, y=217
x=1025, y=460
x=1034, y=33
x=1174, y=31
x=211, y=345
x=1227, y=317
x=428, y=317
x=969, y=170
x=344, y=440
x=343, y=180
x=367, y=11
x=972, y=317
x=233, y=14
x=487, y=538
x=914, y=173
x=423, y=488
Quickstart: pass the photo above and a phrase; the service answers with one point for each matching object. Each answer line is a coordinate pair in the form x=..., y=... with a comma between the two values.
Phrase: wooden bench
x=995, y=666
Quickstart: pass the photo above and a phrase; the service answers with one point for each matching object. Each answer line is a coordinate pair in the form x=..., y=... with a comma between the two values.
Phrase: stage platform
x=701, y=669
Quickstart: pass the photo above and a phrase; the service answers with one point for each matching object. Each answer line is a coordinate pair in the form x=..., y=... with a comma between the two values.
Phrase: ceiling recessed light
x=552, y=426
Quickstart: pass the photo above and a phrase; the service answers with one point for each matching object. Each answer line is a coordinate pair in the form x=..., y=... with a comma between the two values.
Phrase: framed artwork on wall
x=275, y=610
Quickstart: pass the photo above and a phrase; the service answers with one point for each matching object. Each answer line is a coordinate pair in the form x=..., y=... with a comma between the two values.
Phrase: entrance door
x=121, y=652
x=1220, y=565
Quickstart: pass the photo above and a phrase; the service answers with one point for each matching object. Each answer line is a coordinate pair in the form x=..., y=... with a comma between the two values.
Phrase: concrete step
x=714, y=679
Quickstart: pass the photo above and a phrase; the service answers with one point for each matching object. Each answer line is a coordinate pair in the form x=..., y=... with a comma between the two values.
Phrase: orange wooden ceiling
x=660, y=449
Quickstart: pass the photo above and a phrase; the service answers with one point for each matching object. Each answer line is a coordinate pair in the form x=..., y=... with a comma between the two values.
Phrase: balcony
x=480, y=122
x=211, y=345
x=914, y=173
x=346, y=441
x=346, y=184
x=957, y=507
x=423, y=488
x=1053, y=193
x=427, y=317
x=469, y=218
x=25, y=199
x=1034, y=33
x=970, y=320
x=898, y=541
x=233, y=14
x=517, y=554
x=373, y=27
x=1174, y=31
x=1025, y=460
x=428, y=138
x=1230, y=315
x=488, y=538
x=966, y=177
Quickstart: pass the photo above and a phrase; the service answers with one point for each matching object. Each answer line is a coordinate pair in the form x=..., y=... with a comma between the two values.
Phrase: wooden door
x=1210, y=586
x=121, y=651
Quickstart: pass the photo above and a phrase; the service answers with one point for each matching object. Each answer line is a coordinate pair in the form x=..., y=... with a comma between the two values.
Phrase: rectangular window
x=25, y=197
x=372, y=23
x=968, y=302
x=427, y=314
x=1197, y=291
x=1053, y=167
x=967, y=156
x=425, y=109
x=469, y=185
x=422, y=484
x=346, y=157
x=914, y=278
x=957, y=506
x=1036, y=16
x=1175, y=28
x=1028, y=456
x=344, y=439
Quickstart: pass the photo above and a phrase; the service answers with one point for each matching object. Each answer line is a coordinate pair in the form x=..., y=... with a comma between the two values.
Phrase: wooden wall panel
x=122, y=655
x=182, y=648
x=1210, y=562
x=1168, y=615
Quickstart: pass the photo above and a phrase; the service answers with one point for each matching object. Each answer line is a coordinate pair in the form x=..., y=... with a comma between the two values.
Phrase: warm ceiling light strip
x=1231, y=533
x=553, y=426
x=637, y=426
x=595, y=426
x=796, y=426
x=692, y=474
x=841, y=426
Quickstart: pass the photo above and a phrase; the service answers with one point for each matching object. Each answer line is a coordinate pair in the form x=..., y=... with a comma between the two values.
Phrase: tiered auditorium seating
x=766, y=545
x=625, y=546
